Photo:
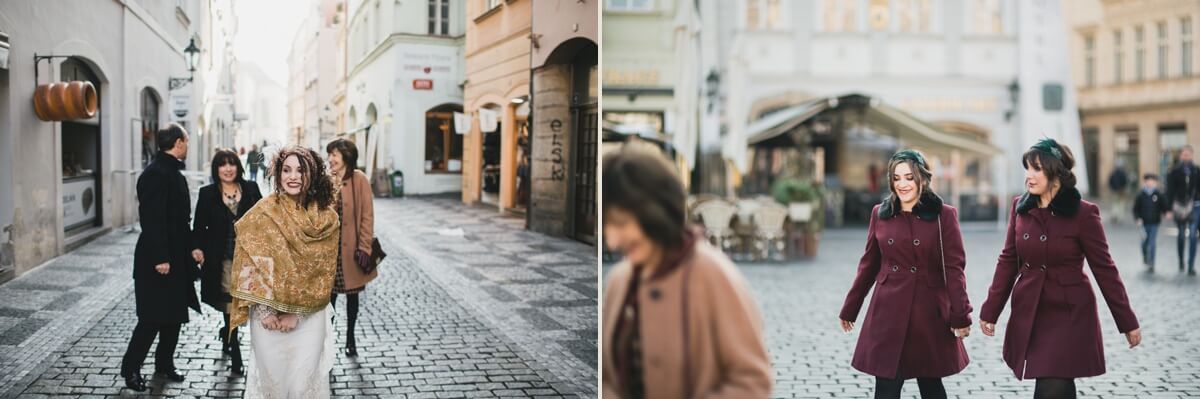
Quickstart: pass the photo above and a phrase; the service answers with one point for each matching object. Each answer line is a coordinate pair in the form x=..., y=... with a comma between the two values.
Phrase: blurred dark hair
x=347, y=150
x=226, y=156
x=1055, y=168
x=166, y=137
x=317, y=186
x=1150, y=176
x=638, y=179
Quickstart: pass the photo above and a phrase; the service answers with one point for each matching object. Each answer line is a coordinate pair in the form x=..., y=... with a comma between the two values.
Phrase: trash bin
x=398, y=184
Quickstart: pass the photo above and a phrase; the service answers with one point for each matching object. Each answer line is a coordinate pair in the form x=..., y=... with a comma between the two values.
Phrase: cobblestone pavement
x=64, y=326
x=811, y=355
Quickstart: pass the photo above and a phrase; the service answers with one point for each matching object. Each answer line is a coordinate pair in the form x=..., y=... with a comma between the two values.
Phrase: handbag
x=376, y=256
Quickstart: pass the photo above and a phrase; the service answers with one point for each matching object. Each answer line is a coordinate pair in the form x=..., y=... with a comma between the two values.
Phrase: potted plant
x=803, y=199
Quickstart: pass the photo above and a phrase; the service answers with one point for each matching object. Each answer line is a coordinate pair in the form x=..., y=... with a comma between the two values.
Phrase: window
x=1117, y=57
x=1139, y=54
x=985, y=17
x=1052, y=97
x=1162, y=50
x=1185, y=46
x=762, y=14
x=912, y=16
x=489, y=5
x=443, y=145
x=381, y=33
x=439, y=16
x=630, y=5
x=1089, y=60
x=150, y=106
x=840, y=15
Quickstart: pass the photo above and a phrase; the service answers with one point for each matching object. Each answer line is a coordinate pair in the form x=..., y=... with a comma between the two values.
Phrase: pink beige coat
x=702, y=332
x=358, y=228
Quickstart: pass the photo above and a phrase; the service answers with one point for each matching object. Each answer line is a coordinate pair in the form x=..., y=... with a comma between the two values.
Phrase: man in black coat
x=1183, y=185
x=164, y=263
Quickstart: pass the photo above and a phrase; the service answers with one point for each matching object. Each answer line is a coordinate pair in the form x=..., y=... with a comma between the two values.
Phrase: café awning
x=774, y=129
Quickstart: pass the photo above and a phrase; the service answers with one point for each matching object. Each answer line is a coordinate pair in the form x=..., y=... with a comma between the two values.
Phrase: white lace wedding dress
x=292, y=364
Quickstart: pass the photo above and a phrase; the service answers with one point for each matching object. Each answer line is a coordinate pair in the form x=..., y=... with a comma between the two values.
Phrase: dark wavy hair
x=317, y=186
x=1053, y=159
x=226, y=156
x=916, y=162
x=640, y=180
x=347, y=150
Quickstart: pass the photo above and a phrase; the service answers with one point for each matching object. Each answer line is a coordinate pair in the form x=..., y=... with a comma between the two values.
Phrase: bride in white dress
x=284, y=265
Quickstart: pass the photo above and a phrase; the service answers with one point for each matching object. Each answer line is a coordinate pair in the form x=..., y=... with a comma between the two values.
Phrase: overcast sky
x=265, y=31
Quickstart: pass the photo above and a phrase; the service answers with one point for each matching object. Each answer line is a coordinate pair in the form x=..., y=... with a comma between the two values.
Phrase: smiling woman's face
x=292, y=176
x=904, y=183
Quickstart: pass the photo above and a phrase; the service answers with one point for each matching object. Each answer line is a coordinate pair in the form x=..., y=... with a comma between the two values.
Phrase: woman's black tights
x=887, y=388
x=351, y=315
x=1054, y=388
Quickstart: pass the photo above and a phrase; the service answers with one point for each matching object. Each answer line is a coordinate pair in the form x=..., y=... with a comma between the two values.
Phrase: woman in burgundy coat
x=920, y=311
x=1053, y=334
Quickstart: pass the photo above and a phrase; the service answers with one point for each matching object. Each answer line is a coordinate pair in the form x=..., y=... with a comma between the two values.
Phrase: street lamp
x=191, y=52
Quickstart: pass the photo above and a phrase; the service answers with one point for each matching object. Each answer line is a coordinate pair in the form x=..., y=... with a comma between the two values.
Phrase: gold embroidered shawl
x=285, y=257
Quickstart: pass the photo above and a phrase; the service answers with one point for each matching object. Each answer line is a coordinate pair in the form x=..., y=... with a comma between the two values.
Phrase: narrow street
x=495, y=312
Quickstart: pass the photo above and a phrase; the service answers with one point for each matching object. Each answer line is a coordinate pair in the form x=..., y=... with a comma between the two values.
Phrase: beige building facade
x=496, y=98
x=1136, y=75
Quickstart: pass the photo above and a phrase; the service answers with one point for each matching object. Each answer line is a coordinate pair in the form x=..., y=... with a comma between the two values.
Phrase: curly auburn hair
x=317, y=186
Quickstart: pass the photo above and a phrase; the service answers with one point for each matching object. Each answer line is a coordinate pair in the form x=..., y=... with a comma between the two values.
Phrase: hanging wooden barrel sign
x=61, y=101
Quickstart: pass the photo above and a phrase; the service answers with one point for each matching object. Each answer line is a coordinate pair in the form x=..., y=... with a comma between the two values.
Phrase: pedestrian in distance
x=1148, y=210
x=1053, y=334
x=218, y=207
x=1183, y=189
x=283, y=270
x=164, y=261
x=915, y=262
x=355, y=207
x=679, y=320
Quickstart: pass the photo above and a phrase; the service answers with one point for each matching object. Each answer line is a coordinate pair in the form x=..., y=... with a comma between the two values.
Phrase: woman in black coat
x=218, y=206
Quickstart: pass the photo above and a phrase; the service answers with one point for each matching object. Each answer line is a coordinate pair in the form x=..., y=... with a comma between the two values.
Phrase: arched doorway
x=81, y=157
x=490, y=126
x=572, y=159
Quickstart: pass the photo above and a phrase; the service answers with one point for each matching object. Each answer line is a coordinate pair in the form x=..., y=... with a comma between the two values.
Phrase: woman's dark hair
x=347, y=150
x=166, y=137
x=317, y=185
x=226, y=156
x=1057, y=167
x=638, y=179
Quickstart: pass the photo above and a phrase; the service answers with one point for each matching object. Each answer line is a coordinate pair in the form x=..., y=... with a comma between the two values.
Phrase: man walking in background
x=1182, y=186
x=1148, y=209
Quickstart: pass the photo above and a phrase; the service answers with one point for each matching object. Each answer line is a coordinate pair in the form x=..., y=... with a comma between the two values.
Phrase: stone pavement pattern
x=64, y=327
x=811, y=356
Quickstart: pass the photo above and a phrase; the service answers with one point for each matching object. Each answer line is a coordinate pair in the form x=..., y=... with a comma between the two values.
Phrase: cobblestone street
x=811, y=355
x=494, y=312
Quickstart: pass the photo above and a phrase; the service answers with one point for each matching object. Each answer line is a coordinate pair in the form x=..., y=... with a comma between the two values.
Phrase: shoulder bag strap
x=941, y=251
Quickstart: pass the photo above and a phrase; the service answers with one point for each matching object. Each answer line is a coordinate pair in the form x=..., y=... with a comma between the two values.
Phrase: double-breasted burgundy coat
x=907, y=329
x=1054, y=329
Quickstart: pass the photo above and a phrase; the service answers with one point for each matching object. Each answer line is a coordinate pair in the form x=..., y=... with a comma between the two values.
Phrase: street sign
x=422, y=84
x=181, y=102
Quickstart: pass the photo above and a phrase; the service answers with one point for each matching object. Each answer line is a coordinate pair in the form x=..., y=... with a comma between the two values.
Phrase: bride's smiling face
x=292, y=176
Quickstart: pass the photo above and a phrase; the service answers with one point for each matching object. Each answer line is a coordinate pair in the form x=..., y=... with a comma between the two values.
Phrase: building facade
x=565, y=143
x=404, y=82
x=1139, y=93
x=497, y=95
x=262, y=101
x=65, y=183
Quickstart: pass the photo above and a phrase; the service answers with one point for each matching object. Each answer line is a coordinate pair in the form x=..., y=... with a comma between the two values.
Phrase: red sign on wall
x=422, y=84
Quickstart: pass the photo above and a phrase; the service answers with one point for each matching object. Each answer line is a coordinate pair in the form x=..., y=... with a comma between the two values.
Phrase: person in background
x=1148, y=210
x=1118, y=182
x=679, y=319
x=253, y=161
x=1183, y=184
x=355, y=209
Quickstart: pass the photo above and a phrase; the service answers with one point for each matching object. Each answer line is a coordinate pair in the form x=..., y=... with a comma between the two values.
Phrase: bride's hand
x=270, y=322
x=287, y=322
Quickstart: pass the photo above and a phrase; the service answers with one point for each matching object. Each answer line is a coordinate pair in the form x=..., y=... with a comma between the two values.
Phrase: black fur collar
x=927, y=208
x=1065, y=203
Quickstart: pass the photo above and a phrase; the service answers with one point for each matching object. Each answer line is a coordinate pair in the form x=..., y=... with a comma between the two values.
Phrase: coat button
x=1026, y=265
x=1026, y=236
x=895, y=268
x=914, y=269
x=916, y=242
x=1043, y=238
x=1043, y=267
x=889, y=241
x=655, y=294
